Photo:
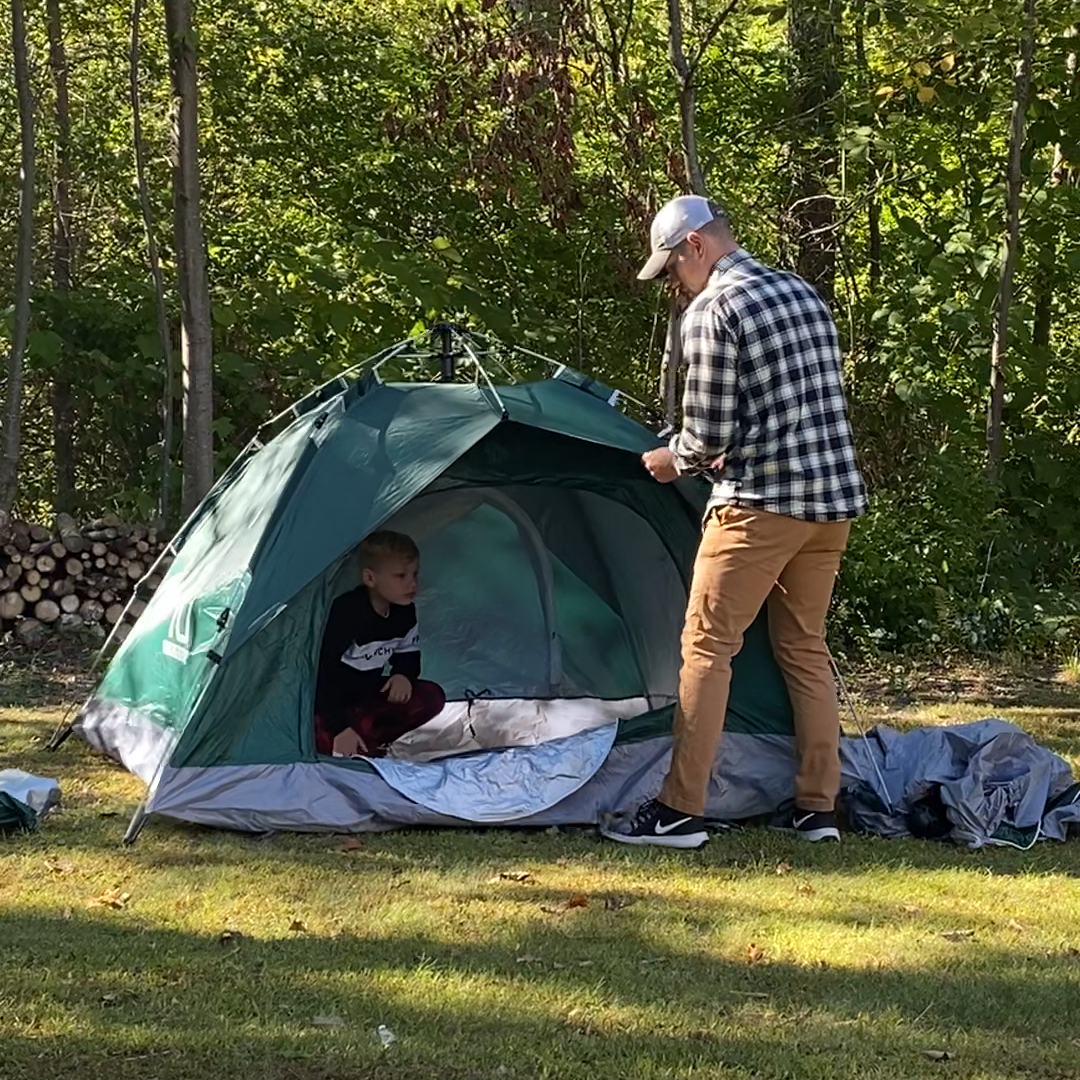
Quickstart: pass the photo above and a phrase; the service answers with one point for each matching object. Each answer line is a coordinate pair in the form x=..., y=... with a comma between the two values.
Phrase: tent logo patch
x=177, y=643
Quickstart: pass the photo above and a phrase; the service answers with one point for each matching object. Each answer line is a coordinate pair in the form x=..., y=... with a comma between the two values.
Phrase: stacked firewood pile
x=73, y=578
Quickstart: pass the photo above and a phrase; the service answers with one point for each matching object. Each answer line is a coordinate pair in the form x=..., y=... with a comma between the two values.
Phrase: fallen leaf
x=522, y=877
x=59, y=866
x=922, y=68
x=585, y=963
x=947, y=62
x=352, y=844
x=926, y=94
x=937, y=1055
x=67, y=913
x=1020, y=928
x=784, y=868
x=617, y=903
x=958, y=935
x=327, y=1021
x=804, y=888
x=114, y=898
x=576, y=900
x=230, y=937
x=528, y=958
x=754, y=954
x=109, y=999
x=911, y=909
x=298, y=926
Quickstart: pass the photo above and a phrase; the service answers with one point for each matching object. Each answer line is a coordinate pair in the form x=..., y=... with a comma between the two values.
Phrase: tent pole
x=482, y=371
x=859, y=724
x=135, y=826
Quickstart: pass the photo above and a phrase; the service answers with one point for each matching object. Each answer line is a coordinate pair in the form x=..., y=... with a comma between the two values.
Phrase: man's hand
x=397, y=689
x=661, y=464
x=348, y=744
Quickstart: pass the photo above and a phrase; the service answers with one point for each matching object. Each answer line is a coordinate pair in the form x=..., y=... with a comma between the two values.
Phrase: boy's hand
x=349, y=744
x=398, y=689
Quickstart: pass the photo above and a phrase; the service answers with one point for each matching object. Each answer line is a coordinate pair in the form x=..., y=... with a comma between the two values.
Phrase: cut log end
x=47, y=611
x=12, y=605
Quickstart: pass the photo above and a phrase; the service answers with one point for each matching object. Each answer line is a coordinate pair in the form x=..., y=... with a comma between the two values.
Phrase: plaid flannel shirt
x=763, y=389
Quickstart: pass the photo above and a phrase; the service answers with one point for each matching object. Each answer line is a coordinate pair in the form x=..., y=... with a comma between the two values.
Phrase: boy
x=360, y=710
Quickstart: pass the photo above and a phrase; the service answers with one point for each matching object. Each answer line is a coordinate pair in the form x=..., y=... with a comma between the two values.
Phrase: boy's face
x=394, y=580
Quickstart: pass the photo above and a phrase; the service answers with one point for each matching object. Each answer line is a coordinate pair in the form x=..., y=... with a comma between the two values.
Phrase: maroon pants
x=379, y=722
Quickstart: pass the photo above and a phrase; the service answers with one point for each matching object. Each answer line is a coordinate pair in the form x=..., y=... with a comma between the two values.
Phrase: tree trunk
x=196, y=340
x=24, y=254
x=164, y=337
x=1000, y=346
x=63, y=404
x=1061, y=173
x=685, y=69
x=873, y=218
x=671, y=365
x=873, y=179
x=810, y=227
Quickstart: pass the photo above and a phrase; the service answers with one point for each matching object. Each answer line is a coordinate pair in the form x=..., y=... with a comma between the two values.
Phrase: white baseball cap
x=674, y=222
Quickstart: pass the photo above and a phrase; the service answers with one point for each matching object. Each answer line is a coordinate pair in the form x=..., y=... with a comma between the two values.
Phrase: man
x=764, y=415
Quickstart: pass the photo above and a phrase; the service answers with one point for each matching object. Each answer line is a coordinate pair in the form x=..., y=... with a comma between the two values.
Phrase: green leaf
x=342, y=317
x=149, y=346
x=45, y=345
x=904, y=390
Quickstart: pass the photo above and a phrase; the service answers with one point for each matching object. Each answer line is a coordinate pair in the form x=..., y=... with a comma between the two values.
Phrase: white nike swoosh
x=663, y=830
x=801, y=821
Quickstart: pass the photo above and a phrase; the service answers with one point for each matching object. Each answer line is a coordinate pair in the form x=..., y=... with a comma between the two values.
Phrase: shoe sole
x=684, y=842
x=814, y=836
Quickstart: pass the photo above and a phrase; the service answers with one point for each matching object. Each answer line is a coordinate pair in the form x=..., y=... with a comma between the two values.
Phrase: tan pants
x=748, y=558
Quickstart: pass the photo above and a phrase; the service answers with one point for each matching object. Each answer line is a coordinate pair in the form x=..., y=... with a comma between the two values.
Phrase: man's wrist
x=682, y=467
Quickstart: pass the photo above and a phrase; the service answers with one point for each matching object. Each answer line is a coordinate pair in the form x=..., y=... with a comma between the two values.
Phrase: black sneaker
x=812, y=825
x=659, y=825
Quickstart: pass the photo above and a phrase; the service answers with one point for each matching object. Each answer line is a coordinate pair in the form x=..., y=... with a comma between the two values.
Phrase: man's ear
x=367, y=576
x=697, y=242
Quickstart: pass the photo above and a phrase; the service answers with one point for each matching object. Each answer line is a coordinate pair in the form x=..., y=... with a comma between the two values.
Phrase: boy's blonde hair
x=386, y=544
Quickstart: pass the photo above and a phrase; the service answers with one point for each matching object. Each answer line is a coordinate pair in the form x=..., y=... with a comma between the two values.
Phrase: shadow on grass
x=55, y=674
x=132, y=1000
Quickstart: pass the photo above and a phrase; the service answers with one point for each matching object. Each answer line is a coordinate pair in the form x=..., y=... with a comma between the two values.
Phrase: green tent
x=554, y=581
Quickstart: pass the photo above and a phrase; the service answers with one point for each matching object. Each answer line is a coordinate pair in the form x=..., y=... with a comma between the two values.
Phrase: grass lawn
x=199, y=955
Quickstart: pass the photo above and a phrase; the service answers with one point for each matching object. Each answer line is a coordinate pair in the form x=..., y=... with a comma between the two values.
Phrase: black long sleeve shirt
x=357, y=645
